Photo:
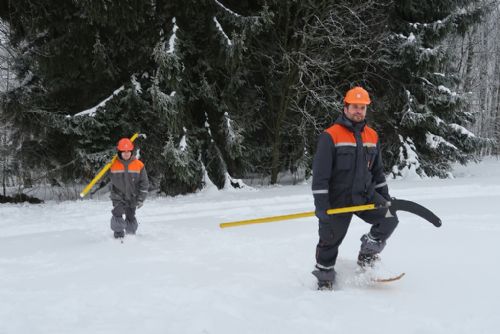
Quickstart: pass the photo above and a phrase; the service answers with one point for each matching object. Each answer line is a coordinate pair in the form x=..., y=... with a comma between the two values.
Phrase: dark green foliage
x=181, y=171
x=427, y=110
x=20, y=198
x=230, y=92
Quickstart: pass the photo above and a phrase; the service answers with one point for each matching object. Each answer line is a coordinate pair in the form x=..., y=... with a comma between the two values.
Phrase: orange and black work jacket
x=347, y=166
x=129, y=181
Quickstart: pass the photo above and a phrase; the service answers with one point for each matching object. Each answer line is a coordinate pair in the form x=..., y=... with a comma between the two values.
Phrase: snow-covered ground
x=62, y=272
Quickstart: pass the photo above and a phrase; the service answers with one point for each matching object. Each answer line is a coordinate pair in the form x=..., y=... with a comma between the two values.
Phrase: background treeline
x=228, y=89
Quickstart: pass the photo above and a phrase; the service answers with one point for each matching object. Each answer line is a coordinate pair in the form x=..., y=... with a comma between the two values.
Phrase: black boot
x=325, y=285
x=326, y=278
x=367, y=260
x=119, y=234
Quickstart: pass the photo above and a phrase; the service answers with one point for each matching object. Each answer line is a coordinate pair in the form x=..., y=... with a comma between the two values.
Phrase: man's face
x=126, y=155
x=355, y=112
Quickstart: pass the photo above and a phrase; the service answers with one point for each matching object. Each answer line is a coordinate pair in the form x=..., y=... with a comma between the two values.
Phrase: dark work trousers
x=118, y=224
x=332, y=233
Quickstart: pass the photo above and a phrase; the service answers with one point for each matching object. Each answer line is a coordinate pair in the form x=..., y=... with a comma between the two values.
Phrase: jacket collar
x=352, y=126
x=126, y=162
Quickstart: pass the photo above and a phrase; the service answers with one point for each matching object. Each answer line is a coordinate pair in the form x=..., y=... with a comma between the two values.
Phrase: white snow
x=446, y=90
x=91, y=111
x=434, y=141
x=227, y=9
x=408, y=156
x=462, y=130
x=454, y=126
x=207, y=126
x=136, y=84
x=231, y=133
x=438, y=120
x=62, y=272
x=173, y=37
x=410, y=39
x=427, y=52
x=183, y=142
x=219, y=27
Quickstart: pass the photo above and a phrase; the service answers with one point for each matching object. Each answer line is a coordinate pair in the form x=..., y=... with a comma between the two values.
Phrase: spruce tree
x=196, y=87
x=126, y=63
x=73, y=56
x=428, y=130
x=230, y=88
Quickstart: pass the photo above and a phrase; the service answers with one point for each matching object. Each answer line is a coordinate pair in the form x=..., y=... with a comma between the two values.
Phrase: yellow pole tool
x=103, y=171
x=346, y=209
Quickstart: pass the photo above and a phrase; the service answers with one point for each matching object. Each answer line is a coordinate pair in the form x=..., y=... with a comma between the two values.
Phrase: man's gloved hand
x=322, y=215
x=139, y=204
x=381, y=200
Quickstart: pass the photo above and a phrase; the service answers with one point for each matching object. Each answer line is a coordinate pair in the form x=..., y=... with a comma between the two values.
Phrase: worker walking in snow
x=129, y=189
x=348, y=170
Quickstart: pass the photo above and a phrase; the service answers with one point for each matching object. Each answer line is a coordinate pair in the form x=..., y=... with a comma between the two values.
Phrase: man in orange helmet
x=129, y=188
x=348, y=170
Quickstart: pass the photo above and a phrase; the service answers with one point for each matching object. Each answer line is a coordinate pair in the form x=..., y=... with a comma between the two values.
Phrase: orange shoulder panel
x=369, y=135
x=117, y=165
x=340, y=134
x=136, y=165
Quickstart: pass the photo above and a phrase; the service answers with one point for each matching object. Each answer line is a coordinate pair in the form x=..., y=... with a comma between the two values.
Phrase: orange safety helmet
x=125, y=145
x=357, y=95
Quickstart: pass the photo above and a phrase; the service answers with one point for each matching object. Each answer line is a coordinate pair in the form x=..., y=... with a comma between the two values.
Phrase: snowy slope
x=61, y=271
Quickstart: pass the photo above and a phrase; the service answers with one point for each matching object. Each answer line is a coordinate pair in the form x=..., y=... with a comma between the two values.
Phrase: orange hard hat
x=125, y=145
x=357, y=95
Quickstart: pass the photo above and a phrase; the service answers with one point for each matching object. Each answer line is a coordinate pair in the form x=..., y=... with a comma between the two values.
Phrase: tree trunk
x=496, y=91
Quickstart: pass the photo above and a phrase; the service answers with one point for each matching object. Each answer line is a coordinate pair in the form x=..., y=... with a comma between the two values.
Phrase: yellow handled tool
x=346, y=209
x=103, y=171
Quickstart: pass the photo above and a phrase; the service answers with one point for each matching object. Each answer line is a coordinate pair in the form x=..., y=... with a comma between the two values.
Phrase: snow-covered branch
x=227, y=9
x=434, y=141
x=173, y=37
x=219, y=27
x=91, y=111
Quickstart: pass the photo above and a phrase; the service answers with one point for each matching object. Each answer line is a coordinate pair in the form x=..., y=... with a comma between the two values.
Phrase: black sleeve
x=322, y=170
x=143, y=185
x=379, y=176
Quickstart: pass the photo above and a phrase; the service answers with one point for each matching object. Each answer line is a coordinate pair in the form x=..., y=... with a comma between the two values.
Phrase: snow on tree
x=429, y=110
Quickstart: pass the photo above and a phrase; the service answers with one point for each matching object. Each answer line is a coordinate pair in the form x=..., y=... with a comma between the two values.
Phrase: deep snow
x=61, y=271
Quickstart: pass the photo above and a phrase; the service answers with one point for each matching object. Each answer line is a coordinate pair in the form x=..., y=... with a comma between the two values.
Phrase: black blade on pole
x=416, y=209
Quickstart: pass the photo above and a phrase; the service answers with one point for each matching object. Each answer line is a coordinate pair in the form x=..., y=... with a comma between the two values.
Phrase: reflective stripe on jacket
x=347, y=166
x=129, y=181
